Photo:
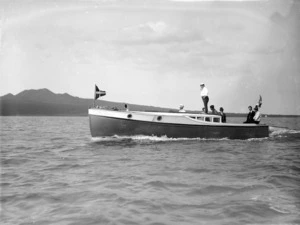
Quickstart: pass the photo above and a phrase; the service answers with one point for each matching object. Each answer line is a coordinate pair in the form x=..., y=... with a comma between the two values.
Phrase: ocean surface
x=53, y=172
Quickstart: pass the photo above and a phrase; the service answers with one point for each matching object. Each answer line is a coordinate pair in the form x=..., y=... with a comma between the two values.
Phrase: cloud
x=157, y=28
x=158, y=32
x=153, y=30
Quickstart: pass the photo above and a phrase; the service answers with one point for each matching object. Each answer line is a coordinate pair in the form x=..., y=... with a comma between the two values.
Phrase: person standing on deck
x=204, y=96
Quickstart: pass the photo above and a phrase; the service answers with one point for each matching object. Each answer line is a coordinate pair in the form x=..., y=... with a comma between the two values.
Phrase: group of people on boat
x=205, y=98
x=215, y=112
x=253, y=116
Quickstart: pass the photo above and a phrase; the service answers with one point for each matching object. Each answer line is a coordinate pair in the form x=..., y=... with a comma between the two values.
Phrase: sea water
x=53, y=172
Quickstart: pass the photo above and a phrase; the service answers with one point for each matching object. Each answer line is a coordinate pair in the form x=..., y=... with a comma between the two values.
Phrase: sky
x=155, y=52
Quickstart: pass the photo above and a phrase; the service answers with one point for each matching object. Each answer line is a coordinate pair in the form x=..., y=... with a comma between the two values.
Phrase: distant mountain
x=43, y=102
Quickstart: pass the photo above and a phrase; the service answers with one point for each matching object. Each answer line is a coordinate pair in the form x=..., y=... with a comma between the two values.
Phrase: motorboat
x=108, y=122
x=104, y=122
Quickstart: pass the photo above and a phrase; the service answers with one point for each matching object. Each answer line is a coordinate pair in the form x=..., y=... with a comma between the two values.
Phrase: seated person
x=250, y=115
x=257, y=115
x=213, y=110
x=181, y=110
x=126, y=107
x=223, y=115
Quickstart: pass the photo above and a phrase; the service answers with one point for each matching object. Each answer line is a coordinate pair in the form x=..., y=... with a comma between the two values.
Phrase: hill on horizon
x=43, y=102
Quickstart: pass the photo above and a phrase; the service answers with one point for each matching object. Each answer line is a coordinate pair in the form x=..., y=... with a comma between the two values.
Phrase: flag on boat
x=259, y=101
x=98, y=93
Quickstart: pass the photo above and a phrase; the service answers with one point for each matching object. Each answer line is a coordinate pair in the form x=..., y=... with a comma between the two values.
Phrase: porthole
x=159, y=118
x=129, y=116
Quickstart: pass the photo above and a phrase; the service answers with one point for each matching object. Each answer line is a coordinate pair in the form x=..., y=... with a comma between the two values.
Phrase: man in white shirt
x=257, y=115
x=204, y=95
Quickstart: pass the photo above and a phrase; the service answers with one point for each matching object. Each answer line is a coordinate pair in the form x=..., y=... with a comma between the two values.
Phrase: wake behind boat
x=104, y=122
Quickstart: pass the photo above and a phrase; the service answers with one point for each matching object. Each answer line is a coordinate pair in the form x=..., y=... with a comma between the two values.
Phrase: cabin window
x=192, y=117
x=159, y=118
x=207, y=119
x=217, y=120
x=200, y=118
x=129, y=116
